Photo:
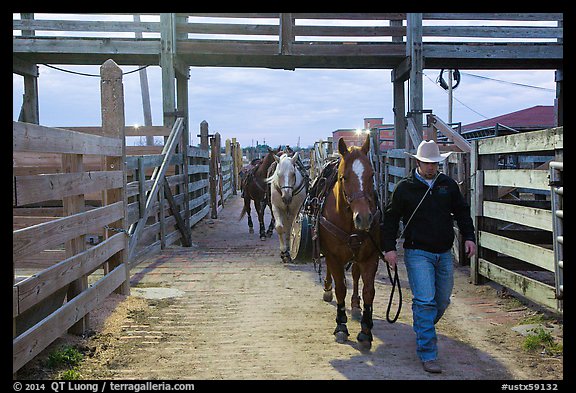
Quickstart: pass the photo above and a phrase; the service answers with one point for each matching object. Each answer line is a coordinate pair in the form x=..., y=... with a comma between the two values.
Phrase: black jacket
x=431, y=228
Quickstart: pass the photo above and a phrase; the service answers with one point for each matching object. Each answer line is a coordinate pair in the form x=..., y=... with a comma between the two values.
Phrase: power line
x=92, y=75
x=445, y=91
x=507, y=82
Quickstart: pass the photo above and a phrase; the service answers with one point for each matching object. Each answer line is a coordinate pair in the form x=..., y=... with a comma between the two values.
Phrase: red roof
x=539, y=116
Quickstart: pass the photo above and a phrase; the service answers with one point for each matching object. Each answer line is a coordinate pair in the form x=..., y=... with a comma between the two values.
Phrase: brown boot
x=432, y=366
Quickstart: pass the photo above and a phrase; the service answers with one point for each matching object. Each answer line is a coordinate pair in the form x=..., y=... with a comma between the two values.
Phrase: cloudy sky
x=278, y=106
x=258, y=105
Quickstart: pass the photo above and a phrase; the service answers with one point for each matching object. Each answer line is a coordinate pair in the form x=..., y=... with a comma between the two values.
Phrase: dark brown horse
x=348, y=219
x=254, y=188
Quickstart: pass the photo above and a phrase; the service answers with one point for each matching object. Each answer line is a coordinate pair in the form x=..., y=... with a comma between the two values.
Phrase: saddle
x=247, y=175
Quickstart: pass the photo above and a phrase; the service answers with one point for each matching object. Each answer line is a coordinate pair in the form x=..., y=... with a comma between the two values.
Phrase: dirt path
x=227, y=308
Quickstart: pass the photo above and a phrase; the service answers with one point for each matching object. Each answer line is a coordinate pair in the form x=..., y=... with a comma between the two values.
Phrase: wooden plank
x=128, y=130
x=227, y=28
x=33, y=137
x=349, y=31
x=520, y=16
x=38, y=188
x=67, y=26
x=39, y=237
x=526, y=178
x=541, y=140
x=529, y=216
x=516, y=51
x=351, y=15
x=493, y=31
x=535, y=255
x=534, y=290
x=30, y=343
x=39, y=286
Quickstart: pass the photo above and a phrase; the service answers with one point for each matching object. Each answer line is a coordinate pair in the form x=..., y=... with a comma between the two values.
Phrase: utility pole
x=450, y=101
x=145, y=92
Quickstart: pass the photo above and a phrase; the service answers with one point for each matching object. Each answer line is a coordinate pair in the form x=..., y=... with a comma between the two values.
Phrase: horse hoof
x=364, y=341
x=340, y=337
x=263, y=238
x=327, y=296
x=356, y=313
x=251, y=230
x=269, y=233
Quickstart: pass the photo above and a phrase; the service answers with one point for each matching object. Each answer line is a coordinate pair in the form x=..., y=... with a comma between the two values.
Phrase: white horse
x=288, y=191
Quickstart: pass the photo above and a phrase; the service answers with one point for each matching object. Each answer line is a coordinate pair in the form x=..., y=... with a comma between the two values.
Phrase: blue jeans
x=431, y=278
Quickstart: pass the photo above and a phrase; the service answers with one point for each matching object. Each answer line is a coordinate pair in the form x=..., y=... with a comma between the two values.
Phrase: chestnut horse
x=254, y=188
x=348, y=218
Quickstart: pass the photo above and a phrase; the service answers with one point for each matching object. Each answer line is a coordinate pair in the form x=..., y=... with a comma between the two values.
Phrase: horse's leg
x=368, y=271
x=260, y=209
x=270, y=230
x=327, y=285
x=247, y=208
x=355, y=301
x=287, y=229
x=341, y=332
x=280, y=229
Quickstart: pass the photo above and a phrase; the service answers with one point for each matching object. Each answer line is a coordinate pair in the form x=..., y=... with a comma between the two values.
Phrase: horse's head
x=286, y=177
x=355, y=179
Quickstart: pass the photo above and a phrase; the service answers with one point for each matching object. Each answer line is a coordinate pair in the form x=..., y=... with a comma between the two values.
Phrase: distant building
x=538, y=117
x=355, y=137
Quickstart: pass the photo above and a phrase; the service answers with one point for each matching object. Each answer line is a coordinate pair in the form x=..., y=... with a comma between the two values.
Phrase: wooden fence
x=513, y=216
x=85, y=212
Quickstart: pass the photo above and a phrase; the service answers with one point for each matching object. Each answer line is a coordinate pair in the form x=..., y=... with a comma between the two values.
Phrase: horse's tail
x=243, y=213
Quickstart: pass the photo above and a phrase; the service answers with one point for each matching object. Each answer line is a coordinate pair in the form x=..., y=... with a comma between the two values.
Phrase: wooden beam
x=447, y=131
x=36, y=138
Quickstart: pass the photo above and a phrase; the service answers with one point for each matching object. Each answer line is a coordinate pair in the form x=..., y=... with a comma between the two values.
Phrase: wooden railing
x=513, y=215
x=86, y=213
x=40, y=314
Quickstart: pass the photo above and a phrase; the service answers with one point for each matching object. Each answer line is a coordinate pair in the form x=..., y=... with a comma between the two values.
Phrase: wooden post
x=213, y=178
x=286, y=34
x=30, y=110
x=112, y=103
x=145, y=91
x=414, y=50
x=204, y=135
x=475, y=206
x=167, y=58
x=72, y=205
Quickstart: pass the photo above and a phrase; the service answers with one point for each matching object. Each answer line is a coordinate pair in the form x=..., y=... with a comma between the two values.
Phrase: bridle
x=295, y=190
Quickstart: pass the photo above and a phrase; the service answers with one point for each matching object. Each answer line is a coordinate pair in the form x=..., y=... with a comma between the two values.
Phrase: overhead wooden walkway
x=296, y=40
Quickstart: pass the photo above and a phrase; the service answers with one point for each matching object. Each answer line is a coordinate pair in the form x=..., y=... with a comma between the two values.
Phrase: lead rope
x=395, y=284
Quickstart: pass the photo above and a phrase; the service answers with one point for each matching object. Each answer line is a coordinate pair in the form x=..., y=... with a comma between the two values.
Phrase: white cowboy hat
x=428, y=151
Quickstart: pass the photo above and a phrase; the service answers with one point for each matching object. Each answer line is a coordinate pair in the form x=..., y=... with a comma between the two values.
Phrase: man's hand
x=469, y=248
x=391, y=257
